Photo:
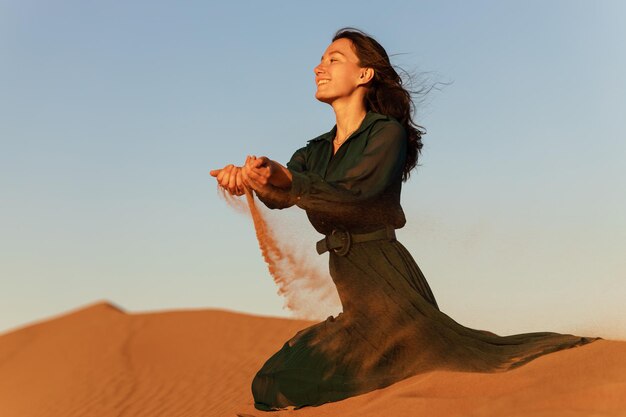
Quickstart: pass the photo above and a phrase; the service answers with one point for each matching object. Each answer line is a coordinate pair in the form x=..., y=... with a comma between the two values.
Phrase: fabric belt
x=340, y=240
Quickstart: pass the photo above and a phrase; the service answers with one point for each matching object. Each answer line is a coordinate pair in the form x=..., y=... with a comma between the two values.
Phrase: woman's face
x=338, y=74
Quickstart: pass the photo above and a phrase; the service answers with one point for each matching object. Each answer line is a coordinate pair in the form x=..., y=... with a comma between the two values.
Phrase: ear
x=366, y=75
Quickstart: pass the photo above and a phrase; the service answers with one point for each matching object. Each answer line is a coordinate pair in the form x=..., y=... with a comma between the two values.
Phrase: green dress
x=391, y=327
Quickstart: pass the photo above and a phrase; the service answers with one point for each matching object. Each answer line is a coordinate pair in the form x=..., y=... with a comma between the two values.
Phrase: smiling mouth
x=320, y=82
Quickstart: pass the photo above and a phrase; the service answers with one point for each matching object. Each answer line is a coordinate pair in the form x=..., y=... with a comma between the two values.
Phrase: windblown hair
x=387, y=94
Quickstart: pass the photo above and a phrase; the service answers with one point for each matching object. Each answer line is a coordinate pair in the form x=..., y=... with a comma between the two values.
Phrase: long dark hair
x=387, y=94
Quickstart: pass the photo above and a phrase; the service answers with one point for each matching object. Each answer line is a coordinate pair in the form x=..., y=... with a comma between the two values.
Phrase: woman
x=349, y=181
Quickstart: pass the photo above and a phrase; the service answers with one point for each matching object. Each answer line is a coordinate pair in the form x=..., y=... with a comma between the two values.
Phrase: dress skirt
x=390, y=329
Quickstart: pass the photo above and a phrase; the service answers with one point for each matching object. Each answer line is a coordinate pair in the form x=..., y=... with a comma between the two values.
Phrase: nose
x=319, y=69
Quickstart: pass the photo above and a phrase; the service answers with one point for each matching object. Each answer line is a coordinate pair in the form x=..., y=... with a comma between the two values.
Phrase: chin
x=323, y=98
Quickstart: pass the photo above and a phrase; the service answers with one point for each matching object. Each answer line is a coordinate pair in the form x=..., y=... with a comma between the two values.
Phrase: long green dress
x=391, y=327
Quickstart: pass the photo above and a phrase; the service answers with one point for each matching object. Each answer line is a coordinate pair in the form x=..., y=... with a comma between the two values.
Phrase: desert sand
x=101, y=361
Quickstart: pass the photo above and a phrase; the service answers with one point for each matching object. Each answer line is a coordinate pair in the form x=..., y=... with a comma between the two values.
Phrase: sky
x=113, y=113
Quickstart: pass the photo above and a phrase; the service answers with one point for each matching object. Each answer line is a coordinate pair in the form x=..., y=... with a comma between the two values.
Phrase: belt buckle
x=344, y=236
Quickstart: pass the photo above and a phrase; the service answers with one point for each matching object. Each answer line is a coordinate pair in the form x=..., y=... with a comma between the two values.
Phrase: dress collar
x=370, y=117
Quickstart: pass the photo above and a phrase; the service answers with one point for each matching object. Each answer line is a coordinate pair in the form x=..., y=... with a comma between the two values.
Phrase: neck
x=349, y=115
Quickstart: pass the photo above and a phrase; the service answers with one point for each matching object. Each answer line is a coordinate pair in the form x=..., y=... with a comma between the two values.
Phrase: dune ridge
x=100, y=360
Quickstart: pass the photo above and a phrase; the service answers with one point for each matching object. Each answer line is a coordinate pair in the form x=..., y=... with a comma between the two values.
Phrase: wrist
x=281, y=176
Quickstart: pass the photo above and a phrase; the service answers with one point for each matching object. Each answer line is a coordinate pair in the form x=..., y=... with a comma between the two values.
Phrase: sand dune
x=101, y=361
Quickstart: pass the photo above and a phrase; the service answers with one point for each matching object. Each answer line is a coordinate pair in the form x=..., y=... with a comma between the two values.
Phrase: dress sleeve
x=379, y=165
x=278, y=198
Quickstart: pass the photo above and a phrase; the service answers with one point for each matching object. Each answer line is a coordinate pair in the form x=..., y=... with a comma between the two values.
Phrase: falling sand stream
x=308, y=293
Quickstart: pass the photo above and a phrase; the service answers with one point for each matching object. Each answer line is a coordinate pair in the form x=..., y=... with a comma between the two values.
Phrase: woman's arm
x=270, y=180
x=264, y=171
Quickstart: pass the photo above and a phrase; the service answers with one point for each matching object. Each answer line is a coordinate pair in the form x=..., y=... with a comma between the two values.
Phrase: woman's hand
x=259, y=174
x=257, y=171
x=256, y=174
x=269, y=180
x=262, y=172
x=230, y=179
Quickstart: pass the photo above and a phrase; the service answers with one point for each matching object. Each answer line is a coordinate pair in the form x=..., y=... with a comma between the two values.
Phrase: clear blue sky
x=112, y=114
